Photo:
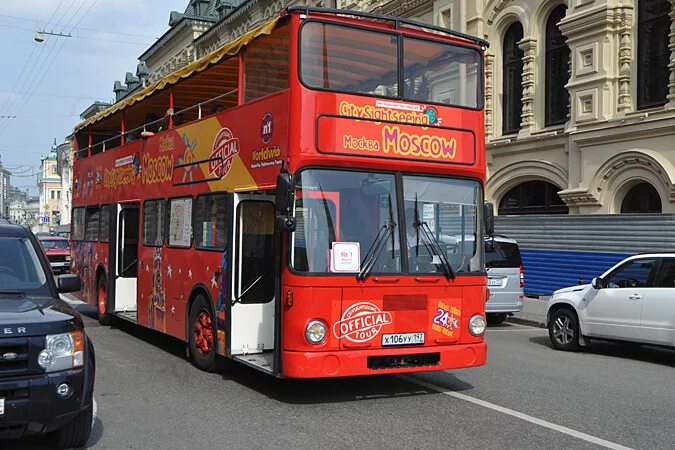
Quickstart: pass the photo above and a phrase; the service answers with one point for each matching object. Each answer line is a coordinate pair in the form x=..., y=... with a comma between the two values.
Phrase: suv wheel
x=496, y=319
x=563, y=330
x=76, y=433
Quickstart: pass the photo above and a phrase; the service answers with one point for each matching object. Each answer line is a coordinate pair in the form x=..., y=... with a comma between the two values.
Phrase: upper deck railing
x=397, y=21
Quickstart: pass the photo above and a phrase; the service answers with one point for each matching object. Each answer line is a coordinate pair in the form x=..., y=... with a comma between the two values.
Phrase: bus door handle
x=386, y=280
x=426, y=280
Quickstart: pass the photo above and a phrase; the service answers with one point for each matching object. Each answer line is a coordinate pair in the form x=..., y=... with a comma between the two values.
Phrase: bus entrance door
x=253, y=281
x=126, y=271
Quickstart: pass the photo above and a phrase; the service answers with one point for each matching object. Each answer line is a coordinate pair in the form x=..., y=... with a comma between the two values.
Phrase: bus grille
x=403, y=361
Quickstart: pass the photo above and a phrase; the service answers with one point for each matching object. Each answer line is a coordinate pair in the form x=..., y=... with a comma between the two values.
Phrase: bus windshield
x=337, y=206
x=359, y=61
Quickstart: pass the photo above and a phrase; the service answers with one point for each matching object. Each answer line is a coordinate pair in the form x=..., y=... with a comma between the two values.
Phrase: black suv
x=46, y=359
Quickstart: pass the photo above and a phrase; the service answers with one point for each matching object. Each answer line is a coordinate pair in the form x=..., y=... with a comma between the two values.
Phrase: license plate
x=402, y=339
x=494, y=282
x=2, y=406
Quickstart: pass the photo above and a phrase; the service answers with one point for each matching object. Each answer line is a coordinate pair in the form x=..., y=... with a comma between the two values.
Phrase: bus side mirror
x=284, y=202
x=284, y=196
x=489, y=216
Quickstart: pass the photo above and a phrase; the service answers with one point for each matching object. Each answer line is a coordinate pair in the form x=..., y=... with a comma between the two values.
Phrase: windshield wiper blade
x=431, y=243
x=378, y=245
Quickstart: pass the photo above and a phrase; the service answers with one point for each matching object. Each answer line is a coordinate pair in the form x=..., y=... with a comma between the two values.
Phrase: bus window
x=106, y=210
x=211, y=217
x=92, y=223
x=78, y=224
x=441, y=73
x=347, y=59
x=255, y=252
x=153, y=222
x=180, y=222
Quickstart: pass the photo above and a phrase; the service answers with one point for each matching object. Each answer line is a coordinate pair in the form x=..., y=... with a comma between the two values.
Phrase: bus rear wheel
x=102, y=301
x=202, y=336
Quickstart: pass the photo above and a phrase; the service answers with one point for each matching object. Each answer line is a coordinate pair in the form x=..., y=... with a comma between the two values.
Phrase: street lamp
x=40, y=35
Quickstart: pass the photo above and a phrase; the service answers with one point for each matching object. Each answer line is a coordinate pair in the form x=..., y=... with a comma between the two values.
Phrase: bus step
x=131, y=316
x=261, y=361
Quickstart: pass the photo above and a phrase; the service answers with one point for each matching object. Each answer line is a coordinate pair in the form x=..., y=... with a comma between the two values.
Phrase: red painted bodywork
x=408, y=303
x=59, y=259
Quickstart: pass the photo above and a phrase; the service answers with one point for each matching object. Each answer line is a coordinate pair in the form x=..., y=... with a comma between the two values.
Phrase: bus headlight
x=315, y=332
x=477, y=325
x=62, y=351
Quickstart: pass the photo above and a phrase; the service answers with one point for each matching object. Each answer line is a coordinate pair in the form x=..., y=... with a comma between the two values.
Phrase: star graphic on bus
x=188, y=158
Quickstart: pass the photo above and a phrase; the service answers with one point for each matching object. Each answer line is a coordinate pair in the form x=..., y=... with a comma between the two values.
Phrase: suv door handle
x=635, y=297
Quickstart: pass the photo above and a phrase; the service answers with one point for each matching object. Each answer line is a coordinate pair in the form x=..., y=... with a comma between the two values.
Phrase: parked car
x=46, y=359
x=505, y=278
x=57, y=250
x=632, y=301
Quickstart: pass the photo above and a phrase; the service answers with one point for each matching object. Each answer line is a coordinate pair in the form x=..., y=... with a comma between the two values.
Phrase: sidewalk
x=533, y=312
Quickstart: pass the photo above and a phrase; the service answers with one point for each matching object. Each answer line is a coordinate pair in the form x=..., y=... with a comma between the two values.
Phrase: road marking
x=519, y=415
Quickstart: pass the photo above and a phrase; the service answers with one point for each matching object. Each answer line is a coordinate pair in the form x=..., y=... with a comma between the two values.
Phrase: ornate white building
x=580, y=94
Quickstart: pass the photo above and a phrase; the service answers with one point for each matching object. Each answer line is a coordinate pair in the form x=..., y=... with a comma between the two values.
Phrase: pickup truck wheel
x=563, y=330
x=102, y=301
x=495, y=319
x=76, y=433
x=202, y=336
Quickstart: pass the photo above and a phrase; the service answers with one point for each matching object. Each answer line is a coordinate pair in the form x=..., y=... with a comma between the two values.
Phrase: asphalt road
x=528, y=396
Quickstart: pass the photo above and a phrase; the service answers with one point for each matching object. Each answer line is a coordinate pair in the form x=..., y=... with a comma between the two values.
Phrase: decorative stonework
x=671, y=66
x=529, y=48
x=625, y=22
x=579, y=197
x=489, y=93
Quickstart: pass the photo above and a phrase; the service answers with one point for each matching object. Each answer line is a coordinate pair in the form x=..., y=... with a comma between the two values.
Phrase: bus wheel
x=202, y=336
x=102, y=301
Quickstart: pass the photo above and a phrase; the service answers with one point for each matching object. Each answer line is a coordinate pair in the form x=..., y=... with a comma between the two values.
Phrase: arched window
x=532, y=197
x=557, y=69
x=641, y=198
x=513, y=78
x=653, y=52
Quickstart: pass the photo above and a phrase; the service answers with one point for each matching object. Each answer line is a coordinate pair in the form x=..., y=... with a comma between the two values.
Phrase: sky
x=47, y=85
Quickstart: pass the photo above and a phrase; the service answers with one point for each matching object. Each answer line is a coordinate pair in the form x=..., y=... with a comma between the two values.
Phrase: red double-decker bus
x=306, y=200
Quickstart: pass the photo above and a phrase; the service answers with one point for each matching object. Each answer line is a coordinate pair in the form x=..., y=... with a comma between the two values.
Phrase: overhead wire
x=8, y=105
x=44, y=70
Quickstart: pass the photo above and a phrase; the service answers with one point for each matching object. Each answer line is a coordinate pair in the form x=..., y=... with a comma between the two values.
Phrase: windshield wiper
x=378, y=245
x=431, y=243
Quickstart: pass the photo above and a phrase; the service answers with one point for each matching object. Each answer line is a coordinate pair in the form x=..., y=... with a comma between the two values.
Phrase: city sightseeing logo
x=392, y=112
x=361, y=322
x=225, y=148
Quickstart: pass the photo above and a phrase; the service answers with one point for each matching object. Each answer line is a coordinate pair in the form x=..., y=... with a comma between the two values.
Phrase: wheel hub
x=203, y=332
x=562, y=330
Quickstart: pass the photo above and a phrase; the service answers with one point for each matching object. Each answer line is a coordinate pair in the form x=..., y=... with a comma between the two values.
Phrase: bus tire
x=202, y=335
x=104, y=317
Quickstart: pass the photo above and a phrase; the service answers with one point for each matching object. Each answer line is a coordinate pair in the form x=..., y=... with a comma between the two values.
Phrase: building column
x=671, y=66
x=625, y=19
x=529, y=47
x=489, y=91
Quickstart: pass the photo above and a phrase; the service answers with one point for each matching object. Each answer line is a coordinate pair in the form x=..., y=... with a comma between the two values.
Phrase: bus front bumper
x=347, y=363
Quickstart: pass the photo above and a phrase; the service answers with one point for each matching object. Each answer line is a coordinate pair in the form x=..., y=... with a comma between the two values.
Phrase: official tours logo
x=225, y=147
x=361, y=322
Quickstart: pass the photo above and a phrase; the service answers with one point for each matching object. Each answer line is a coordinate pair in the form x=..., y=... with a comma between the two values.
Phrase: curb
x=528, y=322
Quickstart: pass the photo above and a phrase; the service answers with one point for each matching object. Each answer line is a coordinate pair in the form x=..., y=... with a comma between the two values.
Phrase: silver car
x=505, y=278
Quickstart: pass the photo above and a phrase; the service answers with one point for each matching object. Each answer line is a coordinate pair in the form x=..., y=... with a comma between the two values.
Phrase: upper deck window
x=347, y=59
x=441, y=73
x=357, y=61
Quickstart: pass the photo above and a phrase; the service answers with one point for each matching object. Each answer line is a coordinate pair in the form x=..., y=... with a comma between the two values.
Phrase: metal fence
x=560, y=251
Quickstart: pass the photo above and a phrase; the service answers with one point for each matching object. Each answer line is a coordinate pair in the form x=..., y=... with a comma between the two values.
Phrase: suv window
x=20, y=268
x=502, y=254
x=633, y=274
x=666, y=276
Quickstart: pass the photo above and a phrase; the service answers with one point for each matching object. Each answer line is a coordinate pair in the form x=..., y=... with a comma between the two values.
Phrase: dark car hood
x=22, y=317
